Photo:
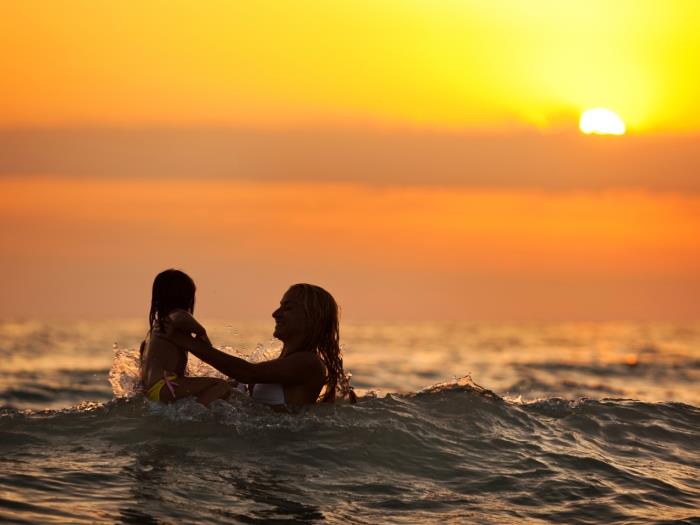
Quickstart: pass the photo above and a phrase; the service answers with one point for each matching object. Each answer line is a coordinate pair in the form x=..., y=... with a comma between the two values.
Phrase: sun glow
x=601, y=121
x=463, y=64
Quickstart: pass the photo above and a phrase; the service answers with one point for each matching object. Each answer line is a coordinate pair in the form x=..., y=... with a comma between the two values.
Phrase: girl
x=163, y=363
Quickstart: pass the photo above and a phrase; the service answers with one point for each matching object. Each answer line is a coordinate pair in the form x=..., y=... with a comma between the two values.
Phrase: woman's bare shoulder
x=310, y=362
x=309, y=358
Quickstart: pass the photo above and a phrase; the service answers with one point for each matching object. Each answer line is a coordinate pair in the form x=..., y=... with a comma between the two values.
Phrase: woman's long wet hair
x=322, y=313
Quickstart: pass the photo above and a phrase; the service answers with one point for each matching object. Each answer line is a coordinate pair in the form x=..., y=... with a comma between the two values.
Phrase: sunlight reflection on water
x=655, y=362
x=450, y=452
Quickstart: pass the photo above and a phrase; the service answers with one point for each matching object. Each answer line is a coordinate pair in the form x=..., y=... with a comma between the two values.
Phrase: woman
x=310, y=366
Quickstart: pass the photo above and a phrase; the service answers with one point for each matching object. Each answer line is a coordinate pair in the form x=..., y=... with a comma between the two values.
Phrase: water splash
x=125, y=376
x=464, y=383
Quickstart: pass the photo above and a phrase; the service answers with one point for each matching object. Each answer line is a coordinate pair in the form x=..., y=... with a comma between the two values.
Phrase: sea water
x=456, y=423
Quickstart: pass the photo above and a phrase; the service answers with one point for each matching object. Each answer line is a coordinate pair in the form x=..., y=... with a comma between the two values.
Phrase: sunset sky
x=420, y=159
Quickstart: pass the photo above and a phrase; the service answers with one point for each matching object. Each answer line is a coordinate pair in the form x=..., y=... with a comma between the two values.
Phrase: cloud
x=516, y=160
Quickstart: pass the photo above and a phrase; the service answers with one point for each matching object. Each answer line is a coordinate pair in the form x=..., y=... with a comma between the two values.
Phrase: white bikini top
x=269, y=393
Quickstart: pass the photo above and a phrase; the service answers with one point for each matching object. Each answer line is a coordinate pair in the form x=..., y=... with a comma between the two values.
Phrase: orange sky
x=418, y=158
x=386, y=252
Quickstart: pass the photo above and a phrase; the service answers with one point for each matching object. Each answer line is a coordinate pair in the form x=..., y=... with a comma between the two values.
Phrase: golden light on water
x=601, y=121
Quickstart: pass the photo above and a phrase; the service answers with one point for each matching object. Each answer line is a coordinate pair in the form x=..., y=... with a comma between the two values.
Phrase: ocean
x=456, y=423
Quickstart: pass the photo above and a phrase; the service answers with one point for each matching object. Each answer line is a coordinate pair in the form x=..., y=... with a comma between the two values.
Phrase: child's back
x=160, y=358
x=163, y=364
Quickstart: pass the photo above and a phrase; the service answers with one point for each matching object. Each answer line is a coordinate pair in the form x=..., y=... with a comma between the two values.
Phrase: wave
x=53, y=389
x=458, y=409
x=439, y=450
x=453, y=451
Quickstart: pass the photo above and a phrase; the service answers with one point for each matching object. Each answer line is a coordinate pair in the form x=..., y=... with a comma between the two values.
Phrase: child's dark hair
x=172, y=290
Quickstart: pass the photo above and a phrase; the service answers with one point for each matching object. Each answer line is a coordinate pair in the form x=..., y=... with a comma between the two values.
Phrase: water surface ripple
x=76, y=449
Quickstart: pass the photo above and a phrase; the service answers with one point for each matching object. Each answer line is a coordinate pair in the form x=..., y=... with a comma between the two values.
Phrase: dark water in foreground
x=451, y=453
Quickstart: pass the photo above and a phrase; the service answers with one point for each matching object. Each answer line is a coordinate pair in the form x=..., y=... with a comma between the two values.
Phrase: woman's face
x=290, y=317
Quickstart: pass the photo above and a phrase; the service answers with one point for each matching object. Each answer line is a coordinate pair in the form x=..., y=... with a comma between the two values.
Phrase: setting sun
x=601, y=121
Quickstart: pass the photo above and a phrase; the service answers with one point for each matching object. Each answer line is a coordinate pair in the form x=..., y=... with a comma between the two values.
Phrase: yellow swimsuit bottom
x=153, y=393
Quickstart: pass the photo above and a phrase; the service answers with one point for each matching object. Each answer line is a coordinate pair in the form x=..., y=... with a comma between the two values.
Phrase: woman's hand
x=178, y=337
x=181, y=320
x=181, y=329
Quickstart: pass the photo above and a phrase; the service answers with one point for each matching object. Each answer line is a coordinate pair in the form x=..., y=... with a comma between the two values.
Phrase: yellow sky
x=452, y=63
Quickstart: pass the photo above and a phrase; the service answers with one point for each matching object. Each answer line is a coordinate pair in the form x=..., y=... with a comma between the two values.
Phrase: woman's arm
x=295, y=368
